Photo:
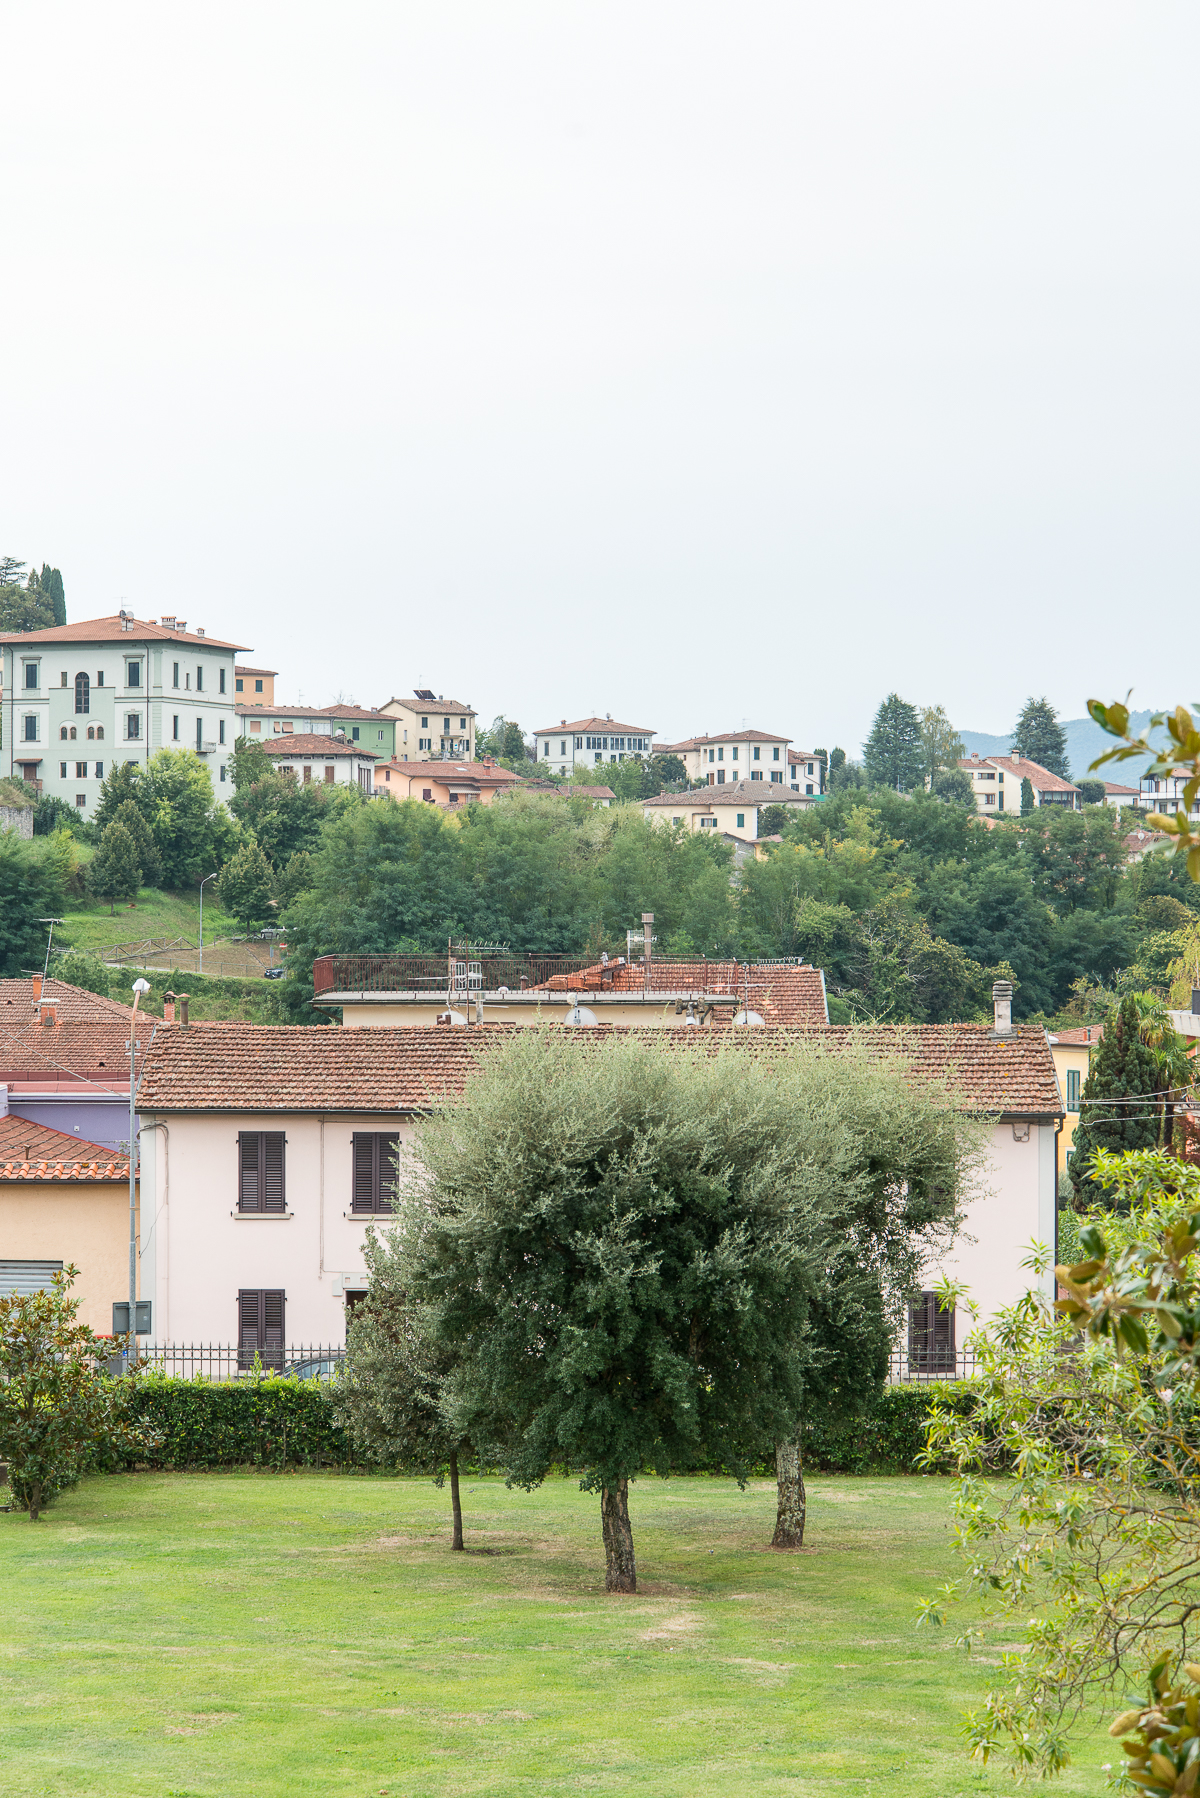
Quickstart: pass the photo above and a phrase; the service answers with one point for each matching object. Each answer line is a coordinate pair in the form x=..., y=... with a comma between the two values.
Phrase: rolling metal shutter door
x=19, y=1278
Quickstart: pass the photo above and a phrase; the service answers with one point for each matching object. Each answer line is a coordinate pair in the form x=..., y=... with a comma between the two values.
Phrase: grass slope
x=185, y=1636
x=89, y=925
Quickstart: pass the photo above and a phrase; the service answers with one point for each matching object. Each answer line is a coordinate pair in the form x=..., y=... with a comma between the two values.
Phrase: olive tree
x=626, y=1246
x=388, y=1398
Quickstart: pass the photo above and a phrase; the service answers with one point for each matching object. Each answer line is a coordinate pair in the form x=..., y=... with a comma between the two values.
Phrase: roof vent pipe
x=1002, y=1001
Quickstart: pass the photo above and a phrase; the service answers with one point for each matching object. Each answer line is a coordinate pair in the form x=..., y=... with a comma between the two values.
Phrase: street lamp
x=203, y=884
x=139, y=987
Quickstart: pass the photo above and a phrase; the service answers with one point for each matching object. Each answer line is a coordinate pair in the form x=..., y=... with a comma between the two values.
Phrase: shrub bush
x=280, y=1422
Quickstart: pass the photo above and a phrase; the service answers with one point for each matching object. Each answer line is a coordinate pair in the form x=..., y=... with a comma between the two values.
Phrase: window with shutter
x=261, y=1185
x=260, y=1327
x=374, y=1172
x=930, y=1336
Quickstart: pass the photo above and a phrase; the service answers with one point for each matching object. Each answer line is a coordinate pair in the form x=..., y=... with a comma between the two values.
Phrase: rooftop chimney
x=49, y=1014
x=183, y=1005
x=168, y=1008
x=1002, y=1002
x=37, y=988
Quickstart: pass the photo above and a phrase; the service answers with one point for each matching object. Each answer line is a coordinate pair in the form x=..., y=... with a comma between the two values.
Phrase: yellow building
x=730, y=811
x=1072, y=1052
x=430, y=728
x=63, y=1202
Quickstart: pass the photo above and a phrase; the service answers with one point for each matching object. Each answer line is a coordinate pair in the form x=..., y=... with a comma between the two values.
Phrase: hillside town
x=599, y=902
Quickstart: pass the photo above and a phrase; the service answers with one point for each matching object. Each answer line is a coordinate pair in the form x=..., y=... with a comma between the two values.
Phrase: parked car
x=275, y=973
x=322, y=1367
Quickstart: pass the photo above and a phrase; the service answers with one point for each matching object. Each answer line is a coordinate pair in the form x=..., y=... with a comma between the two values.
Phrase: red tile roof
x=260, y=1068
x=33, y=1154
x=725, y=736
x=1084, y=1038
x=486, y=772
x=784, y=995
x=730, y=792
x=1112, y=787
x=257, y=709
x=417, y=704
x=607, y=727
x=1038, y=777
x=112, y=630
x=240, y=668
x=306, y=1067
x=299, y=743
x=88, y=1038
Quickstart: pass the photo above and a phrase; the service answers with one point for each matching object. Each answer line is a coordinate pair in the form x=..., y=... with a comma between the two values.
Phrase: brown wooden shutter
x=389, y=1149
x=930, y=1336
x=271, y=1157
x=272, y=1333
x=249, y=1166
x=249, y=1326
x=365, y=1187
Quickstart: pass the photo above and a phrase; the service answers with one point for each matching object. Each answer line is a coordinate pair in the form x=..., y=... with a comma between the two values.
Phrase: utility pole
x=203, y=884
x=139, y=987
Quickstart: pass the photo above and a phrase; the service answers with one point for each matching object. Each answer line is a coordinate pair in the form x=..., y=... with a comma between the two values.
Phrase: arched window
x=83, y=693
x=100, y=732
x=72, y=731
x=91, y=732
x=63, y=733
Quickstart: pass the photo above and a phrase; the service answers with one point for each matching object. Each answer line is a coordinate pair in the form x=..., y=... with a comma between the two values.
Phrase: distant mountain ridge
x=1085, y=741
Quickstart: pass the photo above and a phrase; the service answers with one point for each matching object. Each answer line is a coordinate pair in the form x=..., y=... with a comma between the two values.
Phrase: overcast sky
x=705, y=365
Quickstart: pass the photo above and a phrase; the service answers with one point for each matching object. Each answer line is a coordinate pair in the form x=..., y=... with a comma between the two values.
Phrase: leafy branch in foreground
x=1092, y=1541
x=1180, y=756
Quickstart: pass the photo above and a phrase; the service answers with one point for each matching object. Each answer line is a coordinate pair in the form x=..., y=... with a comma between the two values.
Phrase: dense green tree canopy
x=31, y=888
x=1040, y=738
x=894, y=753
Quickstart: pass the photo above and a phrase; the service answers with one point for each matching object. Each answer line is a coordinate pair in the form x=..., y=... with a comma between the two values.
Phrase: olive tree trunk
x=620, y=1571
x=455, y=1504
x=789, y=1515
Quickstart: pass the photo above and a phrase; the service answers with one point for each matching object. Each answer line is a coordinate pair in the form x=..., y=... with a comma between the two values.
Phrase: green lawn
x=267, y=1634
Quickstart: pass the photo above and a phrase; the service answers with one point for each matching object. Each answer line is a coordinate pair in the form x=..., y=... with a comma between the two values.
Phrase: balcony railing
x=431, y=973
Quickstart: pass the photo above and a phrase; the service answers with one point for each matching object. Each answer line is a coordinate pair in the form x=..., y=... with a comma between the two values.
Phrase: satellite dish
x=747, y=1017
x=579, y=1014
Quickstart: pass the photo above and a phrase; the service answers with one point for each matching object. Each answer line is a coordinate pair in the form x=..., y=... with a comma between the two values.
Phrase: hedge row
x=279, y=1422
x=270, y=1422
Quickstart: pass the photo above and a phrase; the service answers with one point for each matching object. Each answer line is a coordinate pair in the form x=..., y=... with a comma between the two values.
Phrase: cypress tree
x=1027, y=805
x=149, y=860
x=1119, y=1109
x=51, y=583
x=1040, y=738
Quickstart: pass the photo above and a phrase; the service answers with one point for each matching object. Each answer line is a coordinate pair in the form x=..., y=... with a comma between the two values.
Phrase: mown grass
x=184, y=1636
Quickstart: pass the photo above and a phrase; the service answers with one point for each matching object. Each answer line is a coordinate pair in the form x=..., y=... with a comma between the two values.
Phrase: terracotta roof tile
x=784, y=995
x=261, y=1068
x=300, y=743
x=607, y=727
x=111, y=630
x=88, y=1038
x=724, y=736
x=733, y=792
x=34, y=1153
x=1038, y=777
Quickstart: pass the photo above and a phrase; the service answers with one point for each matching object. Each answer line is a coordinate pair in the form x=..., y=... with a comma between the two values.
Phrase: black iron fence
x=937, y=1364
x=228, y=1361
